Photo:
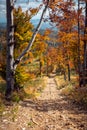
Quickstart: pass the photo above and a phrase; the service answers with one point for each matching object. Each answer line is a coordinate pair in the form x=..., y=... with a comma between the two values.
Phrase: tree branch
x=32, y=38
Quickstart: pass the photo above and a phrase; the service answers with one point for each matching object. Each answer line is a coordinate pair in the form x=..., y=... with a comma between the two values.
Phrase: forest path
x=50, y=111
x=50, y=92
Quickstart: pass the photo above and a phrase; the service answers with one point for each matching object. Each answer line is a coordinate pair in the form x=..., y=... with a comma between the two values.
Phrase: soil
x=49, y=111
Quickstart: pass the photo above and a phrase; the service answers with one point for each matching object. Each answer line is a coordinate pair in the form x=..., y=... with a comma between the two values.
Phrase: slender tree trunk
x=10, y=50
x=78, y=46
x=68, y=67
x=85, y=50
x=47, y=67
x=64, y=75
x=40, y=67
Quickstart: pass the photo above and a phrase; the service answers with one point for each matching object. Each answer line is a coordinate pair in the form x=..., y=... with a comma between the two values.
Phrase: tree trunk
x=68, y=67
x=64, y=75
x=40, y=67
x=85, y=50
x=10, y=50
x=78, y=46
x=47, y=66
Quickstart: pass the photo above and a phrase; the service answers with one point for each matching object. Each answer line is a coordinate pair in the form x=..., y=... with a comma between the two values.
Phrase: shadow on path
x=61, y=105
x=51, y=101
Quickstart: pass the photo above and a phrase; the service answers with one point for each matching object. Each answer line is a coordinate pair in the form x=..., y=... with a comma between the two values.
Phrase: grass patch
x=2, y=86
x=2, y=92
x=79, y=95
x=35, y=86
x=70, y=89
x=61, y=83
x=2, y=108
x=33, y=67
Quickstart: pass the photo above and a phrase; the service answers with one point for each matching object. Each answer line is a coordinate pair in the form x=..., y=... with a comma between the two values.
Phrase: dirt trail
x=50, y=111
x=50, y=92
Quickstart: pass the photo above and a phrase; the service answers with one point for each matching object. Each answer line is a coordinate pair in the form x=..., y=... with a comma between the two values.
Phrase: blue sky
x=25, y=6
x=21, y=3
x=2, y=11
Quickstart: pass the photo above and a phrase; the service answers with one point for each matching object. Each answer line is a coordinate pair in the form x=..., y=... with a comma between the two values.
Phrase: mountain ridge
x=34, y=22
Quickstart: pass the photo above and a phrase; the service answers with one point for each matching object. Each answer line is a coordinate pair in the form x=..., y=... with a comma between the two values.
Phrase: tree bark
x=47, y=68
x=40, y=68
x=78, y=46
x=64, y=75
x=68, y=67
x=10, y=49
x=85, y=50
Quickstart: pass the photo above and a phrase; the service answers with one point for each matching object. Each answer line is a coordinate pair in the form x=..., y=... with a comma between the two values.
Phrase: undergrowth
x=70, y=89
x=2, y=93
x=31, y=89
x=34, y=87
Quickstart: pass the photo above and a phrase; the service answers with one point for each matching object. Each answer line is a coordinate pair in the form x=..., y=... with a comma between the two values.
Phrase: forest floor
x=49, y=111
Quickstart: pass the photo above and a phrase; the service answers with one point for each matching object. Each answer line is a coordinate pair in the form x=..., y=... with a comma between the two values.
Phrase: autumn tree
x=52, y=57
x=67, y=20
x=11, y=63
x=23, y=33
x=66, y=24
x=39, y=49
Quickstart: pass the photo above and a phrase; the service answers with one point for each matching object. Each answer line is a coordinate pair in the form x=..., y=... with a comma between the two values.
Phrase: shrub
x=22, y=76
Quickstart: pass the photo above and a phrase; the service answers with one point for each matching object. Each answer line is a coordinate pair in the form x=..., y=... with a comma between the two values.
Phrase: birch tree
x=10, y=49
x=11, y=63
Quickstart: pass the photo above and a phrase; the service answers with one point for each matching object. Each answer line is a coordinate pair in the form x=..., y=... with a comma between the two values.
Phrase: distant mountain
x=34, y=22
x=2, y=25
x=44, y=25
